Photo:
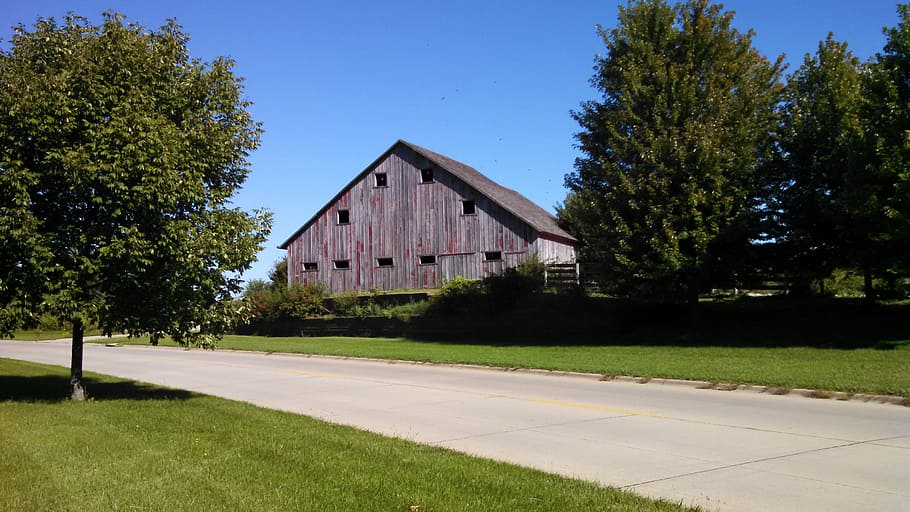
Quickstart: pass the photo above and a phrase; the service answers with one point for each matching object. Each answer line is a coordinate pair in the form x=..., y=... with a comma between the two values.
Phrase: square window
x=492, y=256
x=426, y=175
x=384, y=262
x=342, y=264
x=468, y=207
x=310, y=266
x=344, y=216
x=427, y=260
x=381, y=179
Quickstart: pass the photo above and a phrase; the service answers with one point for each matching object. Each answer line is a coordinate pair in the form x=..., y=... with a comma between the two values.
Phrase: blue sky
x=489, y=83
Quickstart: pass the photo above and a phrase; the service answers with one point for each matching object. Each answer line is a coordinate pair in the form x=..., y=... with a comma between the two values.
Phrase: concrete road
x=735, y=451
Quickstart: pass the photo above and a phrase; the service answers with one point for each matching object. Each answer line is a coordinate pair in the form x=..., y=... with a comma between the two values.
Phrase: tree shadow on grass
x=55, y=388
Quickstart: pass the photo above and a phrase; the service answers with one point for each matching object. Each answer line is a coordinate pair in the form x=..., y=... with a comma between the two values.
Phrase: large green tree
x=822, y=166
x=119, y=155
x=666, y=183
x=885, y=244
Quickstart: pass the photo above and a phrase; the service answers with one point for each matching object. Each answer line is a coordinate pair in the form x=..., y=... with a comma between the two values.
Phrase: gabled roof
x=510, y=200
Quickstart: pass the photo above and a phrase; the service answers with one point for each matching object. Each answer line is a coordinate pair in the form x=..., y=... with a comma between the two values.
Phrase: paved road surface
x=733, y=451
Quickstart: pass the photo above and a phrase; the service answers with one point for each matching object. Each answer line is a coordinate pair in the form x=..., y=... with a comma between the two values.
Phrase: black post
x=77, y=389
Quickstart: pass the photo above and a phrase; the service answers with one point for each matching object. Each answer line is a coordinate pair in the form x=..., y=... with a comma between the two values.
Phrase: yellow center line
x=596, y=408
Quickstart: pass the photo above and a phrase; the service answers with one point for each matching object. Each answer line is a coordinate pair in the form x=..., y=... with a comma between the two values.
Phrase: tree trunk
x=77, y=389
x=692, y=304
x=868, y=291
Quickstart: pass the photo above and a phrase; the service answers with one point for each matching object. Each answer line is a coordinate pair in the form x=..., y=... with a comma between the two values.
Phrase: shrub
x=262, y=301
x=345, y=303
x=458, y=296
x=352, y=303
x=533, y=270
x=510, y=286
x=459, y=287
x=302, y=301
x=49, y=322
x=849, y=283
x=495, y=294
x=408, y=310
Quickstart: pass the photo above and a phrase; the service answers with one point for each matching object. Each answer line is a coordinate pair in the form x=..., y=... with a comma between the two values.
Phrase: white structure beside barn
x=414, y=218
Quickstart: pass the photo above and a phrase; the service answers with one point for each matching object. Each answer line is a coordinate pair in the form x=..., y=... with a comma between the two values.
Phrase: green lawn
x=884, y=369
x=46, y=334
x=140, y=447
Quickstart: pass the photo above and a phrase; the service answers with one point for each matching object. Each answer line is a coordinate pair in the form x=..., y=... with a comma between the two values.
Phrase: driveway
x=735, y=451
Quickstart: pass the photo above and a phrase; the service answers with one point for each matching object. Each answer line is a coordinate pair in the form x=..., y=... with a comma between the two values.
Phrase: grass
x=49, y=334
x=884, y=369
x=140, y=447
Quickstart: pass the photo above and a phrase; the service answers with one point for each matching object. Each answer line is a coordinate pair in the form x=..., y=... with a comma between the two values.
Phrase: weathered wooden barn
x=414, y=218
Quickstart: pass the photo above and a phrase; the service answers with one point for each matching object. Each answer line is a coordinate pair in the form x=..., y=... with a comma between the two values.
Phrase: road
x=735, y=451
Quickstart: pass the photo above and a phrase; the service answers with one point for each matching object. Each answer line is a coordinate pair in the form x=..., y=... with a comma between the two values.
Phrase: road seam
x=776, y=457
x=524, y=429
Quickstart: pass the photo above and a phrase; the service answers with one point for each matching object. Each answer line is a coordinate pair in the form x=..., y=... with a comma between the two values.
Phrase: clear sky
x=490, y=83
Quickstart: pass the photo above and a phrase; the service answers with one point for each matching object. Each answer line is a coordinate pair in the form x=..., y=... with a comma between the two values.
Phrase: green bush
x=48, y=322
x=262, y=300
x=346, y=303
x=458, y=296
x=302, y=301
x=492, y=295
x=409, y=310
x=353, y=303
x=511, y=285
x=459, y=287
x=848, y=283
x=533, y=270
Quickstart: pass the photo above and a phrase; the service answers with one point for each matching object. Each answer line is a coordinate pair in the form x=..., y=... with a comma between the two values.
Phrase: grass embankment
x=140, y=447
x=868, y=370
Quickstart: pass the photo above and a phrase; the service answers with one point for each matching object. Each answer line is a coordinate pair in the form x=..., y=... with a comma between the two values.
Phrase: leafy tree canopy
x=278, y=276
x=119, y=155
x=822, y=166
x=887, y=116
x=671, y=148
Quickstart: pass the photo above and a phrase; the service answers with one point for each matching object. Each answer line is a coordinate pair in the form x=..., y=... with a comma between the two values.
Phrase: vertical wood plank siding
x=550, y=251
x=408, y=219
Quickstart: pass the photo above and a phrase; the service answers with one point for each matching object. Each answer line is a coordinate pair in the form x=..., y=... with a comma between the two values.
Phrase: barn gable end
x=414, y=218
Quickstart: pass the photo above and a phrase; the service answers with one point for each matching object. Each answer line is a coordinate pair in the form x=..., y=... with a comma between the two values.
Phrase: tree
x=822, y=161
x=887, y=130
x=264, y=298
x=278, y=276
x=670, y=150
x=119, y=154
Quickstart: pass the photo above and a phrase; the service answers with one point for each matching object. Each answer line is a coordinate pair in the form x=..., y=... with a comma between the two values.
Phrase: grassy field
x=139, y=447
x=885, y=369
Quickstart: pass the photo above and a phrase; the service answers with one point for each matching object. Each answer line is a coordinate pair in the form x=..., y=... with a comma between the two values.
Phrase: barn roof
x=513, y=202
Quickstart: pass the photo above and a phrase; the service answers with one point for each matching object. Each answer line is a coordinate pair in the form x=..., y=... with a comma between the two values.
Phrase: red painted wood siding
x=405, y=220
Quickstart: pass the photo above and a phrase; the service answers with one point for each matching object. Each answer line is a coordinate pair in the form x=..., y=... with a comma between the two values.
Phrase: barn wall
x=403, y=221
x=551, y=251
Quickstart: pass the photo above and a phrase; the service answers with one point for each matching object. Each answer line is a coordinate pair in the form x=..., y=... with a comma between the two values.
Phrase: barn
x=413, y=219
